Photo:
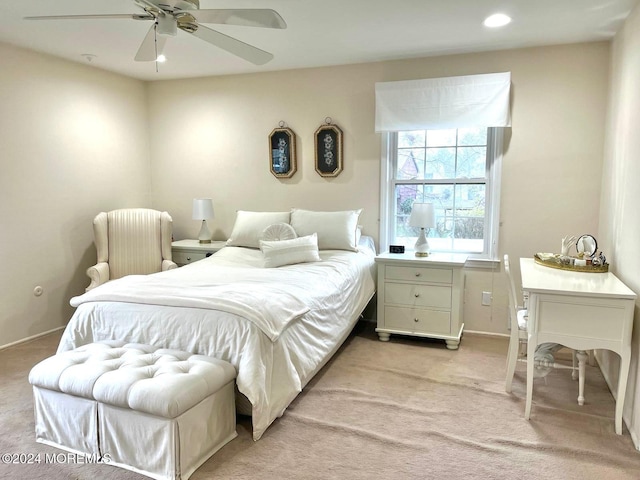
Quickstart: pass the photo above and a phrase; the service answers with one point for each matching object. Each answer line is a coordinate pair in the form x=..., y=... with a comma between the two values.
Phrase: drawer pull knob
x=189, y=258
x=417, y=274
x=417, y=295
x=416, y=320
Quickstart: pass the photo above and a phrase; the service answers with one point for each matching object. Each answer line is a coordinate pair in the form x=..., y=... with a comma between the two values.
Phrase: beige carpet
x=407, y=409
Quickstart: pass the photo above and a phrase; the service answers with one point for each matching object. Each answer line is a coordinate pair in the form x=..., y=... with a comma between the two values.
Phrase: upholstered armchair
x=131, y=241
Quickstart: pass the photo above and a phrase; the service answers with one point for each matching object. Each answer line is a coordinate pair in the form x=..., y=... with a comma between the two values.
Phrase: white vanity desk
x=582, y=311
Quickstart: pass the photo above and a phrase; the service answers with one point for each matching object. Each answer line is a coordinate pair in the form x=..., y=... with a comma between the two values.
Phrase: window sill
x=482, y=263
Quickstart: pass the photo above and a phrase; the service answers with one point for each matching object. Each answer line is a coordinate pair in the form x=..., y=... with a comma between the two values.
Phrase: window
x=458, y=170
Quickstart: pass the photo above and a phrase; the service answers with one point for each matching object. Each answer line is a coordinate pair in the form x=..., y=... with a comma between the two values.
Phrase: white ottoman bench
x=158, y=412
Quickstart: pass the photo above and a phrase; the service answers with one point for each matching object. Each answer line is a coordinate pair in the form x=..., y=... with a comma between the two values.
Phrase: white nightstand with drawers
x=188, y=251
x=421, y=296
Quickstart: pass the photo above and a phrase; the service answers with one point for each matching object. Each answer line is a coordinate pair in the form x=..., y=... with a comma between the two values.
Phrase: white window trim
x=385, y=200
x=495, y=142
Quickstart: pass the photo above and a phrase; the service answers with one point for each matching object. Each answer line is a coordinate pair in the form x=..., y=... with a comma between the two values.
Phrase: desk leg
x=582, y=363
x=531, y=351
x=625, y=359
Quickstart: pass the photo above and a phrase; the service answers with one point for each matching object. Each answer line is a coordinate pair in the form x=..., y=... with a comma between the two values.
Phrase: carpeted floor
x=407, y=409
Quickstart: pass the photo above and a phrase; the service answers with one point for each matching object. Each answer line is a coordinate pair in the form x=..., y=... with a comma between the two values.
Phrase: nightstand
x=421, y=296
x=188, y=251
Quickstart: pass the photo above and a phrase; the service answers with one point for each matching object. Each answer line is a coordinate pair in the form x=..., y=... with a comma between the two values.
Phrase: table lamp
x=422, y=216
x=203, y=210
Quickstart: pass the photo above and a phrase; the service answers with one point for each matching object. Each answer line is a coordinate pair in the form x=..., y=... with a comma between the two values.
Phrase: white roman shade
x=449, y=102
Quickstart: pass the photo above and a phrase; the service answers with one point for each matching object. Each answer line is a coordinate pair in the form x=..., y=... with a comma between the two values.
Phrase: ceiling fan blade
x=151, y=47
x=231, y=45
x=135, y=16
x=250, y=17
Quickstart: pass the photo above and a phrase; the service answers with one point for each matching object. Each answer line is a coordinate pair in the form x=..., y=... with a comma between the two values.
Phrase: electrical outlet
x=486, y=298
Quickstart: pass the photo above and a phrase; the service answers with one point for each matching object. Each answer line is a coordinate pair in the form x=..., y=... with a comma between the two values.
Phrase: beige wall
x=69, y=126
x=619, y=217
x=73, y=141
x=210, y=139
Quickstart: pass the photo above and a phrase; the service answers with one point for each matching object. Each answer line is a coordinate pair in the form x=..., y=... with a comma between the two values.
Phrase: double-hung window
x=442, y=141
x=458, y=171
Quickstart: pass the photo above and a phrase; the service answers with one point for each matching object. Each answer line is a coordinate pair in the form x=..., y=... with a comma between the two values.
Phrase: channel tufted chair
x=130, y=241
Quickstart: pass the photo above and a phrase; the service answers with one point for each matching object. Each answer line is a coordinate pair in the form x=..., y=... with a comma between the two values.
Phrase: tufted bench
x=158, y=412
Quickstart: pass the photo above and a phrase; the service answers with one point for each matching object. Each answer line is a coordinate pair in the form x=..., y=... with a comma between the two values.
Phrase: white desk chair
x=518, y=316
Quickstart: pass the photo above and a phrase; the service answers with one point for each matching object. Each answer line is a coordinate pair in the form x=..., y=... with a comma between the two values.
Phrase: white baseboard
x=487, y=334
x=33, y=337
x=473, y=332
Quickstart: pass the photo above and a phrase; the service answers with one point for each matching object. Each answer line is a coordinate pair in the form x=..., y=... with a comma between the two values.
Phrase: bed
x=277, y=326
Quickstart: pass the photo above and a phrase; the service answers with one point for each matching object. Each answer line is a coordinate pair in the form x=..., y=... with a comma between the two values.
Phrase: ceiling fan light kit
x=497, y=20
x=170, y=15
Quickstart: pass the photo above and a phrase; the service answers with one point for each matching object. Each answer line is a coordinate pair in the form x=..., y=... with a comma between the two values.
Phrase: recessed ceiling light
x=161, y=58
x=496, y=20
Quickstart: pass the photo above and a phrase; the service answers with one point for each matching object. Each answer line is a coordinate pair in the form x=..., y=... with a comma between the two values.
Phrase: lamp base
x=205, y=235
x=422, y=245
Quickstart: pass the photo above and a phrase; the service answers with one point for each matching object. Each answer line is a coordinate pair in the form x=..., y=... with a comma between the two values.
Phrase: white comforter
x=266, y=306
x=277, y=326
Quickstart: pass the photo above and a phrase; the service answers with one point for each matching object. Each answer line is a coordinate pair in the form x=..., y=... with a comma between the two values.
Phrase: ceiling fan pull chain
x=155, y=42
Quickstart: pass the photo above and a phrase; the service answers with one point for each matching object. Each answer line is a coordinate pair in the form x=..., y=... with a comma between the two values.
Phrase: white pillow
x=289, y=252
x=336, y=230
x=278, y=231
x=249, y=226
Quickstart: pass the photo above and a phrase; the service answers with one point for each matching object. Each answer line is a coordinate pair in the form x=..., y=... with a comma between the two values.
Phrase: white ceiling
x=319, y=32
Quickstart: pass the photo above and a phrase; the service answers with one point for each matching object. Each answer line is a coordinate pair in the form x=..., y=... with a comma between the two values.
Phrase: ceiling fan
x=170, y=15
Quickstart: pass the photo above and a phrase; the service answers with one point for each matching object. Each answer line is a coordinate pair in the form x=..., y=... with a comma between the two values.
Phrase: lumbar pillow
x=249, y=226
x=288, y=252
x=336, y=230
x=278, y=231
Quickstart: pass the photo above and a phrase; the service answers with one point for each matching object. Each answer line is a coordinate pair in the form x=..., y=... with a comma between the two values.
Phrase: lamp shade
x=422, y=215
x=202, y=208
